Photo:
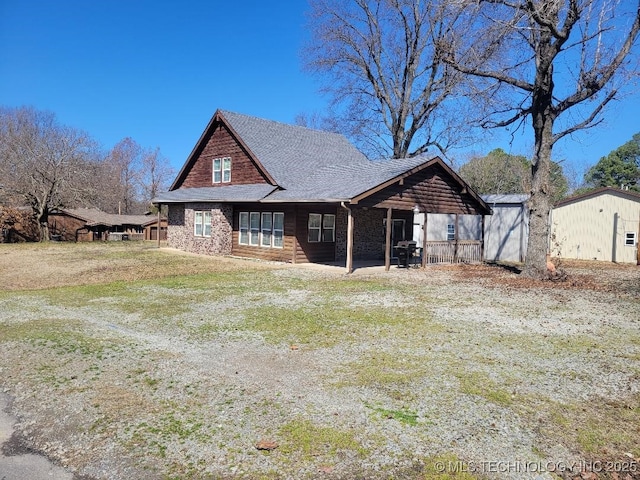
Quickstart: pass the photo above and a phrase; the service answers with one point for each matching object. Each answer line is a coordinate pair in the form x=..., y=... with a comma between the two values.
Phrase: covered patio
x=432, y=187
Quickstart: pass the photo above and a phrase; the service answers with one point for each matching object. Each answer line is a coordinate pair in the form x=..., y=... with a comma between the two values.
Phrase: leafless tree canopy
x=382, y=65
x=43, y=164
x=550, y=64
x=46, y=165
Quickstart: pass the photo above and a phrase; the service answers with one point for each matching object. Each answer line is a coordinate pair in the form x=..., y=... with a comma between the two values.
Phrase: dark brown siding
x=296, y=218
x=222, y=144
x=69, y=228
x=432, y=188
x=313, y=252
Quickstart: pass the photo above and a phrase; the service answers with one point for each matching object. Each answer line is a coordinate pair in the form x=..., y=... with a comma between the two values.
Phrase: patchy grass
x=303, y=438
x=395, y=374
x=63, y=337
x=403, y=415
x=481, y=385
x=321, y=325
x=147, y=354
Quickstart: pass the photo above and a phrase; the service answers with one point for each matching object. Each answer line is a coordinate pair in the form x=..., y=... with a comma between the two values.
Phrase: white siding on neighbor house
x=594, y=228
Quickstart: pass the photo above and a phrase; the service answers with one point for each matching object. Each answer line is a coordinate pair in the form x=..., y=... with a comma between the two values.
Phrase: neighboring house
x=262, y=189
x=89, y=224
x=598, y=225
x=505, y=231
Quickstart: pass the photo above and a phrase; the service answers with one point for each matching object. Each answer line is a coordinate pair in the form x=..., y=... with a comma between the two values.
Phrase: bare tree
x=156, y=174
x=556, y=64
x=44, y=164
x=123, y=165
x=386, y=73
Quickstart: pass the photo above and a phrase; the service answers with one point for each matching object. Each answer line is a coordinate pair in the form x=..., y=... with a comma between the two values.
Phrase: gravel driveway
x=251, y=370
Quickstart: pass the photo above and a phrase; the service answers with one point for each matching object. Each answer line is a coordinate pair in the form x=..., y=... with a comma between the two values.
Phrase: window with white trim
x=264, y=229
x=451, y=232
x=315, y=227
x=630, y=239
x=202, y=223
x=243, y=239
x=321, y=228
x=278, y=230
x=328, y=228
x=222, y=170
x=254, y=224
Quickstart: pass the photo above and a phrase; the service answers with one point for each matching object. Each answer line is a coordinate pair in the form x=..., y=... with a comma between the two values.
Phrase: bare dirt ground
x=126, y=362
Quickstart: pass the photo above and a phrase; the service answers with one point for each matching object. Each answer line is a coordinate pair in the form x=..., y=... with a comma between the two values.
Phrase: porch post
x=294, y=253
x=158, y=230
x=455, y=239
x=349, y=241
x=482, y=242
x=424, y=241
x=387, y=243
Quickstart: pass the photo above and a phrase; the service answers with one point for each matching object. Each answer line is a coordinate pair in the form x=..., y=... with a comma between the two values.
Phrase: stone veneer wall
x=368, y=239
x=180, y=231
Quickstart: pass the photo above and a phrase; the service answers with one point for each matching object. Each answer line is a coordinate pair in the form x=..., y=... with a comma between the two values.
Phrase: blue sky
x=157, y=70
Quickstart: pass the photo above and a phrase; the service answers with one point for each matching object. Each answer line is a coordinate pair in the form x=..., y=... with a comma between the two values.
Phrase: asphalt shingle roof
x=229, y=193
x=94, y=216
x=505, y=198
x=291, y=153
x=307, y=165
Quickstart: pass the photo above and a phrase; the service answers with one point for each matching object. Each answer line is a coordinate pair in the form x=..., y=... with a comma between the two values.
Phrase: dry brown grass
x=38, y=266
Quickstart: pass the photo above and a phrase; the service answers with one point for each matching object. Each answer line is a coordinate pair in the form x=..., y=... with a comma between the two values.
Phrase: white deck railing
x=467, y=251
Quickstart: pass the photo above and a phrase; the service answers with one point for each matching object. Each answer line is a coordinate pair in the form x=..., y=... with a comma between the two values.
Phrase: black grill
x=405, y=251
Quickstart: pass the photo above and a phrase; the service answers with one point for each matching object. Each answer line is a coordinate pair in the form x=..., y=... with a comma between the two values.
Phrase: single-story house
x=599, y=225
x=505, y=231
x=262, y=189
x=89, y=224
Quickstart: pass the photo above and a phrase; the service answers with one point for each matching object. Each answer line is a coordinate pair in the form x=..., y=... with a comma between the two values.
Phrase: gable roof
x=627, y=194
x=282, y=152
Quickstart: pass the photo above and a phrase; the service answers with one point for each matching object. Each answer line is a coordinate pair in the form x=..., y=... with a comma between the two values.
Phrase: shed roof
x=628, y=194
x=508, y=198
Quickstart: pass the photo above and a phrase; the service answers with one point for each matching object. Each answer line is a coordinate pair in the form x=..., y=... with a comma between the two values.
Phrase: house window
x=222, y=170
x=328, y=228
x=630, y=239
x=263, y=229
x=451, y=232
x=322, y=228
x=244, y=228
x=202, y=224
x=254, y=223
x=266, y=228
x=315, y=226
x=278, y=230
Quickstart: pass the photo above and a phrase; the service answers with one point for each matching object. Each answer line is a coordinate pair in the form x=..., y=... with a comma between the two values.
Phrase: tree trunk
x=42, y=215
x=539, y=207
x=540, y=201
